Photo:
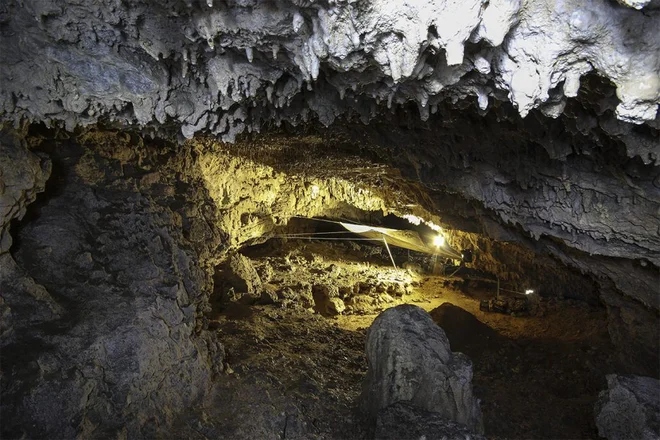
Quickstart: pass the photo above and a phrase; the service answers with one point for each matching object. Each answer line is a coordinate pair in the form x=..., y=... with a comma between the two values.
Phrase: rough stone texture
x=527, y=175
x=634, y=329
x=410, y=361
x=22, y=175
x=583, y=187
x=629, y=408
x=229, y=67
x=573, y=188
x=106, y=285
x=327, y=301
x=106, y=344
x=402, y=421
x=242, y=282
x=255, y=198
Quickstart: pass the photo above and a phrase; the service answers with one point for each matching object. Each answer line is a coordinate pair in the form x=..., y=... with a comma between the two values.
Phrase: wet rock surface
x=410, y=361
x=629, y=408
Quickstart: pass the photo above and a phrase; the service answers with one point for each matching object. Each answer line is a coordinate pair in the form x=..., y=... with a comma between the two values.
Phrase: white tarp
x=406, y=239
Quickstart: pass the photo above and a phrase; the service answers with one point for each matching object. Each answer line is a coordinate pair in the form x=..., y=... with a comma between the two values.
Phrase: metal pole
x=389, y=252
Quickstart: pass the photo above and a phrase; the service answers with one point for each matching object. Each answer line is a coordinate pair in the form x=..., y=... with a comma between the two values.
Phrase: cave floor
x=292, y=373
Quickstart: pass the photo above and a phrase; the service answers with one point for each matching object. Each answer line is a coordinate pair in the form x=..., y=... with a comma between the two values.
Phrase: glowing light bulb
x=529, y=292
x=439, y=240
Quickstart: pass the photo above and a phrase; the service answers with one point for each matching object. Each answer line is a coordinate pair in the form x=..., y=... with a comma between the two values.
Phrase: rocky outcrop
x=23, y=175
x=410, y=361
x=239, y=280
x=225, y=68
x=629, y=408
x=104, y=337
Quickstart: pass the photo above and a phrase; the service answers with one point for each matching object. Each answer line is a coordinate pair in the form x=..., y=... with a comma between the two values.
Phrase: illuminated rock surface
x=229, y=67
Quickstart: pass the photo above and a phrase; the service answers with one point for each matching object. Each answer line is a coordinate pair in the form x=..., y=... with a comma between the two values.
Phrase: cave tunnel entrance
x=388, y=240
x=306, y=291
x=291, y=310
x=309, y=300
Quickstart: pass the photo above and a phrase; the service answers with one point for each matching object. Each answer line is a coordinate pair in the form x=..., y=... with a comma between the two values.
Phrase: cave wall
x=572, y=188
x=110, y=269
x=105, y=289
x=189, y=66
x=574, y=171
x=109, y=248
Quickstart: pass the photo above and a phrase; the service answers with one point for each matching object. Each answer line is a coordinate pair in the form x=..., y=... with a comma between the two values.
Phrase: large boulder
x=629, y=408
x=241, y=280
x=327, y=301
x=410, y=361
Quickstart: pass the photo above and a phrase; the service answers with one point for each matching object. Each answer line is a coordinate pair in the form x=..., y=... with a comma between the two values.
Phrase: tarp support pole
x=389, y=252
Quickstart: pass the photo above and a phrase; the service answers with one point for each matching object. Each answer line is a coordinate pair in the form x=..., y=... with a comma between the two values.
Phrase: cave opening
x=298, y=264
x=307, y=291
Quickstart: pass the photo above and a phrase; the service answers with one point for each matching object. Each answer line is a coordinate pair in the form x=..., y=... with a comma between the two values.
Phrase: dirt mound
x=465, y=332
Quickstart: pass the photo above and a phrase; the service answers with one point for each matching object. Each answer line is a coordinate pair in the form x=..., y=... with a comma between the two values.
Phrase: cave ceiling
x=226, y=67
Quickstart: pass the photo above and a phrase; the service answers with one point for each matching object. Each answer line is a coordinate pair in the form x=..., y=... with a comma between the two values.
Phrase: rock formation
x=101, y=296
x=239, y=280
x=584, y=181
x=227, y=67
x=629, y=408
x=410, y=361
x=525, y=124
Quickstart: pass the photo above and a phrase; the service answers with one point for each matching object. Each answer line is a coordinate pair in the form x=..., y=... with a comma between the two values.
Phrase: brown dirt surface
x=292, y=373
